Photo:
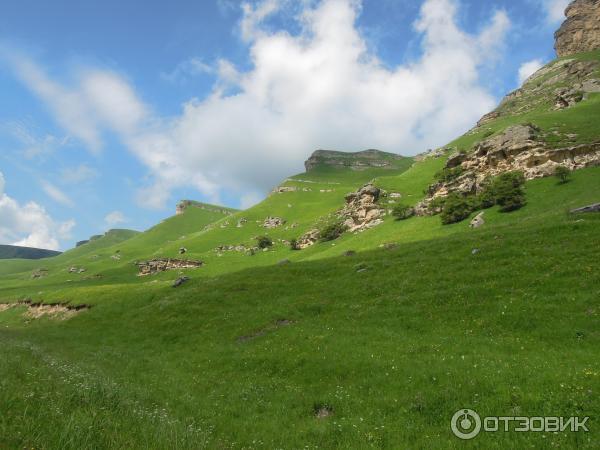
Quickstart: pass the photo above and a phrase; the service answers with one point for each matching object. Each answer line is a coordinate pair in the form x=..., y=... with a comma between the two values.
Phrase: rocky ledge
x=356, y=161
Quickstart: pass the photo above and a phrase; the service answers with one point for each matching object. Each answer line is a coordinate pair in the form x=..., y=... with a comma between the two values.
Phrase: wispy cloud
x=114, y=218
x=187, y=69
x=78, y=174
x=56, y=194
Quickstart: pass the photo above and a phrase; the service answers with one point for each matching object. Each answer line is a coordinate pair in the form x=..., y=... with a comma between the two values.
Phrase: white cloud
x=29, y=225
x=529, y=68
x=114, y=218
x=555, y=10
x=78, y=174
x=56, y=194
x=319, y=88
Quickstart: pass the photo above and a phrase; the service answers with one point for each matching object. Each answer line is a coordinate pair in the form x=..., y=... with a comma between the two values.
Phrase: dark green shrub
x=332, y=231
x=402, y=212
x=456, y=208
x=508, y=191
x=446, y=175
x=264, y=242
x=294, y=244
x=562, y=173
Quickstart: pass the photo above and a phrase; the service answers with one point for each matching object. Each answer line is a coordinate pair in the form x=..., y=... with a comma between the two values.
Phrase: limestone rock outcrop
x=361, y=210
x=519, y=148
x=160, y=265
x=581, y=31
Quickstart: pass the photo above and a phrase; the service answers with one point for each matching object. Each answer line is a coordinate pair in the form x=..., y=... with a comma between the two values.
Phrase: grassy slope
x=394, y=350
x=510, y=330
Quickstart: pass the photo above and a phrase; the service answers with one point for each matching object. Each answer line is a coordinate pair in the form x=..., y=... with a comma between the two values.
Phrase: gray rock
x=179, y=281
x=587, y=209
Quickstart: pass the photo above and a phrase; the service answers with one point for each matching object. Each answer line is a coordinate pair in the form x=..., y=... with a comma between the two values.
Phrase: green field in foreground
x=391, y=342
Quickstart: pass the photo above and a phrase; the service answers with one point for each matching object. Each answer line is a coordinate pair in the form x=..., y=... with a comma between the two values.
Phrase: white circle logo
x=465, y=424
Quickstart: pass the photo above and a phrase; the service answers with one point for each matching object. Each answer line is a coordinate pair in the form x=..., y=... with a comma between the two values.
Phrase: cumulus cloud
x=56, y=194
x=318, y=88
x=29, y=224
x=114, y=218
x=529, y=68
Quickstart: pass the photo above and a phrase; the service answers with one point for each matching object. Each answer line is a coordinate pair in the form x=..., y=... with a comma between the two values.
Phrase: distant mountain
x=15, y=251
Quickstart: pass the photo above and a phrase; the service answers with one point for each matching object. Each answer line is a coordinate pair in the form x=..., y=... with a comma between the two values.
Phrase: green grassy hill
x=313, y=348
x=15, y=251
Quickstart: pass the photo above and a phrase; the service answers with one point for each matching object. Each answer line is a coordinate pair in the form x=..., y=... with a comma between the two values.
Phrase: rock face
x=356, y=161
x=160, y=265
x=581, y=31
x=361, y=210
x=518, y=148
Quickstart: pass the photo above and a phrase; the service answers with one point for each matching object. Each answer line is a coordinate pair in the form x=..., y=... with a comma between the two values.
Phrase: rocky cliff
x=581, y=31
x=357, y=161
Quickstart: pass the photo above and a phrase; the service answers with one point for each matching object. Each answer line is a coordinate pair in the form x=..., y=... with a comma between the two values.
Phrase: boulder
x=179, y=281
x=477, y=221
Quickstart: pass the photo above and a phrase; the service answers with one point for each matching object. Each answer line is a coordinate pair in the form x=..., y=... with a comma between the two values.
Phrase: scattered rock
x=39, y=273
x=179, y=281
x=307, y=239
x=474, y=251
x=241, y=222
x=362, y=267
x=273, y=222
x=477, y=220
x=587, y=209
x=160, y=265
x=284, y=262
x=390, y=245
x=182, y=250
x=349, y=253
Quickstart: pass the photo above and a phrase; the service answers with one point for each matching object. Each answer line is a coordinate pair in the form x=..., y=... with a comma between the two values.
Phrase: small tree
x=508, y=191
x=402, y=212
x=562, y=173
x=264, y=242
x=456, y=209
x=294, y=244
x=332, y=231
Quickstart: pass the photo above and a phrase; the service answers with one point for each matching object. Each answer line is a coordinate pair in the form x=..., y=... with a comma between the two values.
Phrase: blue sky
x=112, y=111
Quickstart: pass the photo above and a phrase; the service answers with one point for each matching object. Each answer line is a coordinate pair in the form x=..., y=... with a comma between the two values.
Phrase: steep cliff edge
x=357, y=161
x=581, y=31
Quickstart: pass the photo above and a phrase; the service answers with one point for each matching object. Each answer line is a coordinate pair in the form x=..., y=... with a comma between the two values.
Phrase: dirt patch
x=60, y=311
x=321, y=411
x=261, y=332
